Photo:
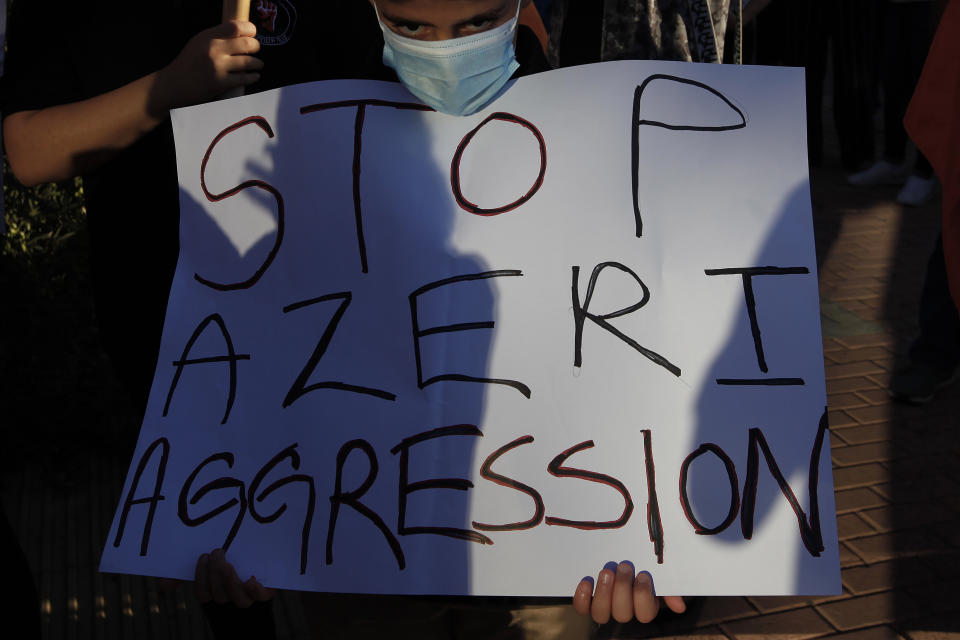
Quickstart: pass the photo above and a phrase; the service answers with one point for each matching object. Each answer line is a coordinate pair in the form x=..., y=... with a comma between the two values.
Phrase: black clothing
x=802, y=33
x=938, y=345
x=22, y=603
x=61, y=52
x=907, y=34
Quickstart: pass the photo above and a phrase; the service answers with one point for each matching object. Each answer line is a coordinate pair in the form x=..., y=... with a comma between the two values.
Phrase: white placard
x=413, y=353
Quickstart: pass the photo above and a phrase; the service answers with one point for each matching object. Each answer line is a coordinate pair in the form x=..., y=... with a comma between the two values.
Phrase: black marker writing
x=407, y=487
x=809, y=531
x=419, y=333
x=220, y=483
x=487, y=472
x=291, y=453
x=557, y=469
x=352, y=500
x=300, y=387
x=361, y=106
x=654, y=524
x=747, y=274
x=636, y=122
x=153, y=499
x=465, y=204
x=229, y=193
x=734, y=489
x=230, y=358
x=581, y=313
x=761, y=382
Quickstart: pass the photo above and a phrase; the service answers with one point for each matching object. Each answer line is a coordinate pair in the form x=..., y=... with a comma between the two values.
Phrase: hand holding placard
x=622, y=596
x=235, y=10
x=217, y=62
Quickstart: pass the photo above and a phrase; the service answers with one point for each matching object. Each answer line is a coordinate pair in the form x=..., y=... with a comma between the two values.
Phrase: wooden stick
x=235, y=10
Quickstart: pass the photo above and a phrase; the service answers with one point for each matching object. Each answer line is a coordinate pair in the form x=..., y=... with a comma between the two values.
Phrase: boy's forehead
x=442, y=11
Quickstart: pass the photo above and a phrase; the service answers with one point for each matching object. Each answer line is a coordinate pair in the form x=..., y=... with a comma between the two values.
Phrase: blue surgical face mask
x=458, y=76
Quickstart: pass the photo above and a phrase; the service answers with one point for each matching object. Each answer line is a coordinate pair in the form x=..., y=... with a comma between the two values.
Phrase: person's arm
x=66, y=140
x=622, y=596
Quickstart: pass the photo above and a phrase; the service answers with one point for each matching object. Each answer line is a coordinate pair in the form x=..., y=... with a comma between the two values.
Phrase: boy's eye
x=480, y=25
x=410, y=29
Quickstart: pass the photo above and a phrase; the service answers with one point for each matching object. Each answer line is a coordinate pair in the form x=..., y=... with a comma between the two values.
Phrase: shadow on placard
x=721, y=472
x=733, y=477
x=416, y=228
x=755, y=468
x=761, y=468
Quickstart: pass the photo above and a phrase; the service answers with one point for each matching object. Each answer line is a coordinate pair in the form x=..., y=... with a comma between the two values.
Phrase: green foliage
x=40, y=220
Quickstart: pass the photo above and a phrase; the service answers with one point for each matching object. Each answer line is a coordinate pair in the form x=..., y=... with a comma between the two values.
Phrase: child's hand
x=621, y=595
x=212, y=62
x=217, y=580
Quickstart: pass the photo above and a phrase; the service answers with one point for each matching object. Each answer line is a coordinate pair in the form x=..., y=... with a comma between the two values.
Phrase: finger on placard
x=600, y=607
x=621, y=606
x=257, y=591
x=201, y=579
x=216, y=575
x=582, y=596
x=675, y=603
x=234, y=588
x=645, y=603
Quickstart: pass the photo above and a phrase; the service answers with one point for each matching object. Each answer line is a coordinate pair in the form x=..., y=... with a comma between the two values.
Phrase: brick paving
x=896, y=474
x=895, y=465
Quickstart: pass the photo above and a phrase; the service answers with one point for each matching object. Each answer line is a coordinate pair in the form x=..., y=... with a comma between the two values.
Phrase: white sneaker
x=879, y=173
x=917, y=191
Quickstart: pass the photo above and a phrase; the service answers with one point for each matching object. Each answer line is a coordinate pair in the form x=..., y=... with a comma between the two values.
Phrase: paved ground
x=896, y=474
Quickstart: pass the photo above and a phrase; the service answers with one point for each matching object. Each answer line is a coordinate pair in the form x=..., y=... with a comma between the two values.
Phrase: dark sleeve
x=40, y=70
x=529, y=53
x=335, y=39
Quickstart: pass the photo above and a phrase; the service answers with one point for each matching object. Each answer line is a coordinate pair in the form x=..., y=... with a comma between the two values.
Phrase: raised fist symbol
x=267, y=14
